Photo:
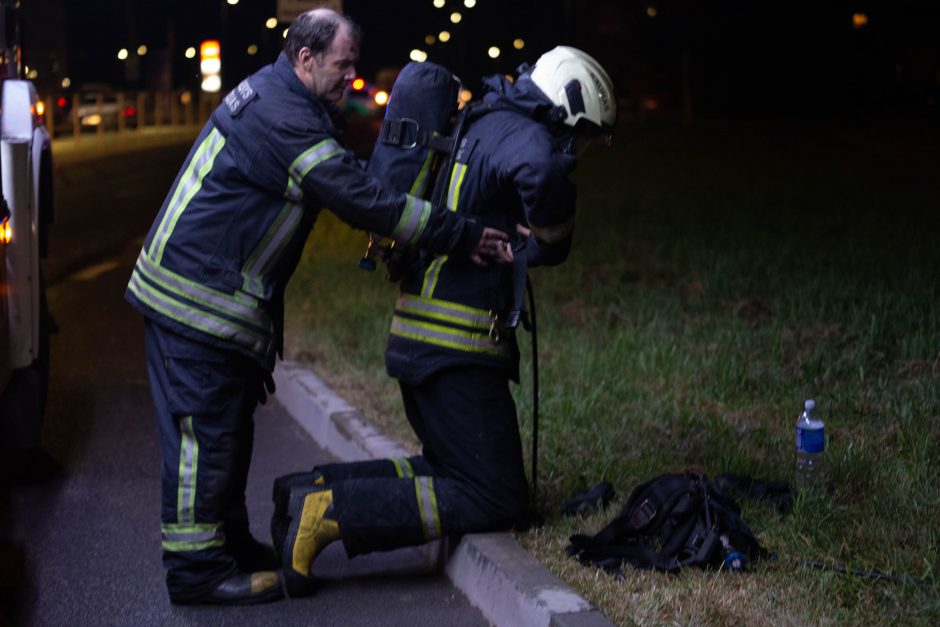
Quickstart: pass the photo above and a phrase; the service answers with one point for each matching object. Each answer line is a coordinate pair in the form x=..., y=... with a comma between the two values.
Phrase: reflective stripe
x=448, y=337
x=430, y=276
x=192, y=537
x=166, y=304
x=427, y=507
x=270, y=247
x=243, y=309
x=403, y=468
x=188, y=185
x=552, y=234
x=453, y=190
x=444, y=310
x=308, y=159
x=186, y=481
x=417, y=188
x=413, y=220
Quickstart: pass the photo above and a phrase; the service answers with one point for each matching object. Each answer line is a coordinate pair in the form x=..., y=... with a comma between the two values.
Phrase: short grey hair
x=316, y=29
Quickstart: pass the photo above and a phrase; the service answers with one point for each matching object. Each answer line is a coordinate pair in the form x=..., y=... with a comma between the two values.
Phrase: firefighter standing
x=448, y=346
x=210, y=280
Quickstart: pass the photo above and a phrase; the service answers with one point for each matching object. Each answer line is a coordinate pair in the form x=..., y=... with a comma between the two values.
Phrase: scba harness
x=671, y=522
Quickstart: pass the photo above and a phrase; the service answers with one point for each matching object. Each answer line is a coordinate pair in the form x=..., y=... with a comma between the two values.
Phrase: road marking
x=93, y=272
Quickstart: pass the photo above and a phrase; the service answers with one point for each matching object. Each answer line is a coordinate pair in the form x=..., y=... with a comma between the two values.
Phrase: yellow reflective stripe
x=417, y=188
x=189, y=184
x=403, y=468
x=552, y=234
x=222, y=302
x=306, y=161
x=456, y=180
x=444, y=310
x=431, y=275
x=192, y=537
x=270, y=247
x=427, y=508
x=186, y=480
x=448, y=337
x=413, y=220
x=204, y=321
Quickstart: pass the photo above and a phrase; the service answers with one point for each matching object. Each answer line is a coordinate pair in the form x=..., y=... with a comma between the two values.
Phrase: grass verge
x=721, y=275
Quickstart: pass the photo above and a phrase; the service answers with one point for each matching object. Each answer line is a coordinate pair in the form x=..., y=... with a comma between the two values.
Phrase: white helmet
x=574, y=81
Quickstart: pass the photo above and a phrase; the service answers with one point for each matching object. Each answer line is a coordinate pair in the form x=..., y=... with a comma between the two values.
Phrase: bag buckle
x=643, y=515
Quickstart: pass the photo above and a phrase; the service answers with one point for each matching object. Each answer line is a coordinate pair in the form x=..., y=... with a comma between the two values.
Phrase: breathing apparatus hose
x=535, y=398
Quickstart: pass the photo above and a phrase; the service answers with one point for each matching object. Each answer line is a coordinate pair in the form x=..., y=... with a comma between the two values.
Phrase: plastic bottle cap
x=810, y=405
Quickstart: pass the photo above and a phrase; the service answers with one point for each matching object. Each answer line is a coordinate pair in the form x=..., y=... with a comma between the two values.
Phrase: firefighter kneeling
x=510, y=172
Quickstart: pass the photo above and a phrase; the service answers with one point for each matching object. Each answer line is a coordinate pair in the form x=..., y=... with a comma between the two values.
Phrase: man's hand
x=491, y=247
x=504, y=252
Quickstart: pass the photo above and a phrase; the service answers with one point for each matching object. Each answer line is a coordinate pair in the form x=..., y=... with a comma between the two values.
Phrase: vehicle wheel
x=23, y=402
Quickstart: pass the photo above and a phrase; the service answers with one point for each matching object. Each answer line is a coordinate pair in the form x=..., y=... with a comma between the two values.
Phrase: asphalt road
x=79, y=526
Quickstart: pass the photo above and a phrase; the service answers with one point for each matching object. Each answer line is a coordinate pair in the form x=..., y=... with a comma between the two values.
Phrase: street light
x=190, y=52
x=122, y=54
x=418, y=55
x=469, y=3
x=518, y=44
x=455, y=17
x=493, y=52
x=438, y=4
x=444, y=36
x=141, y=50
x=271, y=23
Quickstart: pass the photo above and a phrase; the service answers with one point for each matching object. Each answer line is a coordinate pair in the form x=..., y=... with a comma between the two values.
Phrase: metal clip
x=495, y=336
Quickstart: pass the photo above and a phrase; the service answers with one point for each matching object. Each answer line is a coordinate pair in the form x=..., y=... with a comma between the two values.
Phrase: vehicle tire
x=23, y=403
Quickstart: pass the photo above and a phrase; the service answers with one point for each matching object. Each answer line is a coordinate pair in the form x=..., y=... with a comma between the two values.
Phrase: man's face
x=327, y=74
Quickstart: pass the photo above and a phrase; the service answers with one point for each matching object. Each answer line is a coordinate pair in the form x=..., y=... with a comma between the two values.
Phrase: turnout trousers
x=469, y=478
x=204, y=398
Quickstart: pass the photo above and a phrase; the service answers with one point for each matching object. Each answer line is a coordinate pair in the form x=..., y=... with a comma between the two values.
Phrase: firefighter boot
x=280, y=521
x=240, y=589
x=313, y=525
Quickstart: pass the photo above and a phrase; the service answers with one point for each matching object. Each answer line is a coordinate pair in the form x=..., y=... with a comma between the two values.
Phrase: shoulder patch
x=239, y=98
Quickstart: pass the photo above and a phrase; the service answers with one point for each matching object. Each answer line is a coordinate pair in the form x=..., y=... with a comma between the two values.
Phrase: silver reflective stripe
x=453, y=190
x=439, y=335
x=427, y=506
x=214, y=299
x=403, y=468
x=271, y=246
x=189, y=460
x=197, y=319
x=189, y=184
x=552, y=234
x=413, y=220
x=444, y=310
x=307, y=160
x=430, y=276
x=192, y=537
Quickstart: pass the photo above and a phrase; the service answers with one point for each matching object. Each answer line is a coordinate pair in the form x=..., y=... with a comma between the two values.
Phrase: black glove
x=265, y=386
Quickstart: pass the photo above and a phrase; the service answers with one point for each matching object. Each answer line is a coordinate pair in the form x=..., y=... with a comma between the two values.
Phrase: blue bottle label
x=810, y=440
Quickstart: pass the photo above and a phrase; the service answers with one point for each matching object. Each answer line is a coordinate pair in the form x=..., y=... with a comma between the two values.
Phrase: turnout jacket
x=232, y=228
x=509, y=169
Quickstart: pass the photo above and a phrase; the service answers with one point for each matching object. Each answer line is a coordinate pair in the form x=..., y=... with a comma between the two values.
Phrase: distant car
x=364, y=99
x=97, y=108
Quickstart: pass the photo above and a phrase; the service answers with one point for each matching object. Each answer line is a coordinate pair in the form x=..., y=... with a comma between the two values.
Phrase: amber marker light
x=6, y=231
x=358, y=84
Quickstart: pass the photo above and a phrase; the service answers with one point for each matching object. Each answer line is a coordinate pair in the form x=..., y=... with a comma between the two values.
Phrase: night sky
x=800, y=57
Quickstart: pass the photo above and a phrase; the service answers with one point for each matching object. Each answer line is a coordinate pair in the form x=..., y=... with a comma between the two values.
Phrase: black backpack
x=670, y=522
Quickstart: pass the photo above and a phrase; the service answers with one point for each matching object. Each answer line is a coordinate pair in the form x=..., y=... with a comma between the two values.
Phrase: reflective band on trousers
x=403, y=468
x=225, y=316
x=447, y=337
x=427, y=507
x=189, y=184
x=186, y=481
x=192, y=537
x=552, y=234
x=413, y=220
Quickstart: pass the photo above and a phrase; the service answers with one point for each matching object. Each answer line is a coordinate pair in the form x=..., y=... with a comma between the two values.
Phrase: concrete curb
x=505, y=582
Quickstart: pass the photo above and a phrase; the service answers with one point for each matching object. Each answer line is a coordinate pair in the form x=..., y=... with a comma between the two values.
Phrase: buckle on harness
x=643, y=515
x=494, y=334
x=395, y=132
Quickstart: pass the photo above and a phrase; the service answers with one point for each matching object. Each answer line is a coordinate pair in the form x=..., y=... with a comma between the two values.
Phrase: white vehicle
x=25, y=212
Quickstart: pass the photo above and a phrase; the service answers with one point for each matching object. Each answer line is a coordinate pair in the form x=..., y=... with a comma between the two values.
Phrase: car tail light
x=129, y=111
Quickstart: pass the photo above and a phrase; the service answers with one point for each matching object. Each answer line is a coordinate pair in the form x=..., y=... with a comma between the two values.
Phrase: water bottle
x=810, y=446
